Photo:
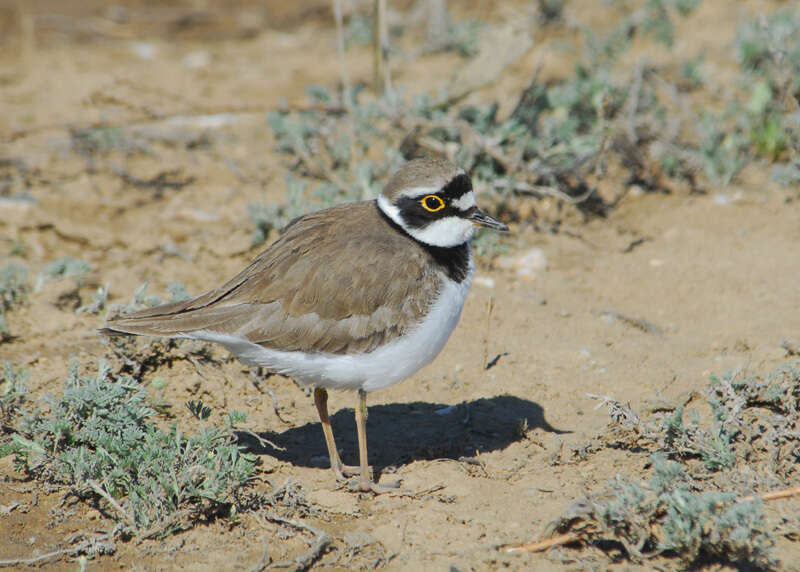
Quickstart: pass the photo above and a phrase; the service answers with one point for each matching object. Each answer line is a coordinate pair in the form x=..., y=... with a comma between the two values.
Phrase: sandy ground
x=715, y=274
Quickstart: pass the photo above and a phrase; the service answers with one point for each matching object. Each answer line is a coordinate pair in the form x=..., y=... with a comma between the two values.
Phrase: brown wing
x=339, y=280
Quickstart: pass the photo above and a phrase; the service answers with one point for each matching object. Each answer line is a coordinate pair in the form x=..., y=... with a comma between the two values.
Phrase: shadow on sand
x=400, y=433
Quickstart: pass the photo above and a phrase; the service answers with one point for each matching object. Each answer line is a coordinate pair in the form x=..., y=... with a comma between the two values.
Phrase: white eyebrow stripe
x=465, y=201
x=417, y=192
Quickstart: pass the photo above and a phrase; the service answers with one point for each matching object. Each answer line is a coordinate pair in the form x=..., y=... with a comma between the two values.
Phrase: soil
x=641, y=305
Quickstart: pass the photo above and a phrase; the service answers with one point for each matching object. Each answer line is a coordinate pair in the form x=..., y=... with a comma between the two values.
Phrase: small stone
x=199, y=215
x=196, y=60
x=722, y=199
x=144, y=50
x=531, y=261
x=484, y=281
x=635, y=191
x=526, y=264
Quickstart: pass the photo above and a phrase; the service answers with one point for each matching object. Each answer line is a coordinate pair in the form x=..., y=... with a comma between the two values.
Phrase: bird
x=358, y=296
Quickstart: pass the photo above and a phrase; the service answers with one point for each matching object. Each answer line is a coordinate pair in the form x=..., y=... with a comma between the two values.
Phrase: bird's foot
x=343, y=472
x=367, y=486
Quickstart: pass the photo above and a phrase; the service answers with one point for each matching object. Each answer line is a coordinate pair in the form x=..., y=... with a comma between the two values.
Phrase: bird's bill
x=480, y=218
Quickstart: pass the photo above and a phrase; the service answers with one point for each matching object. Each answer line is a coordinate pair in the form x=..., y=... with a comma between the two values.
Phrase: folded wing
x=337, y=281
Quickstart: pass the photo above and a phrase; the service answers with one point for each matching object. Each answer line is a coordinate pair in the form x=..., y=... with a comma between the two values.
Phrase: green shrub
x=102, y=432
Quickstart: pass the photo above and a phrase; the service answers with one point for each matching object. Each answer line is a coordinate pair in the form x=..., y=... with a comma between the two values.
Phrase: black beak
x=480, y=218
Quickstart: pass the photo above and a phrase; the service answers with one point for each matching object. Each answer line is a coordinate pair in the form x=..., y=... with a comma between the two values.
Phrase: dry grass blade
x=383, y=79
x=347, y=95
x=543, y=545
x=775, y=495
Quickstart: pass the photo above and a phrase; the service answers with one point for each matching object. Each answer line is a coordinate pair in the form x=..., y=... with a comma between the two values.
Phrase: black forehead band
x=458, y=186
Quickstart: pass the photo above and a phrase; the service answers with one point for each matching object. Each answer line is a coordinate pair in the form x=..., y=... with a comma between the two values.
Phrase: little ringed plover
x=359, y=296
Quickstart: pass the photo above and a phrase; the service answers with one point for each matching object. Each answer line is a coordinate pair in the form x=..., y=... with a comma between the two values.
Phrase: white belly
x=399, y=359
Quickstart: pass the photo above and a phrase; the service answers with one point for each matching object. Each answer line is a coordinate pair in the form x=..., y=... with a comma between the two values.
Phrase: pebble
x=144, y=50
x=199, y=215
x=196, y=60
x=484, y=281
x=525, y=264
x=724, y=199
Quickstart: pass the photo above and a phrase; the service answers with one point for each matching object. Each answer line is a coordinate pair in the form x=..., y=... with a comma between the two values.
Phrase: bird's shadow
x=400, y=433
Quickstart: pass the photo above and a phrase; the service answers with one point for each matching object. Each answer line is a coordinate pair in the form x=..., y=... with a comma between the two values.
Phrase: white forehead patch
x=465, y=201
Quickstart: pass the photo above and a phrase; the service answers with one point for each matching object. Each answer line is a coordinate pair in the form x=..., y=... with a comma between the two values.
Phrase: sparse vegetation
x=98, y=303
x=13, y=290
x=66, y=267
x=139, y=301
x=668, y=516
x=563, y=137
x=100, y=438
x=270, y=217
x=177, y=292
x=12, y=390
x=136, y=356
x=681, y=512
x=13, y=285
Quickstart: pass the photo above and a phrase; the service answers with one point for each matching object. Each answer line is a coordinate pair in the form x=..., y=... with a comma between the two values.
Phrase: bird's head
x=433, y=201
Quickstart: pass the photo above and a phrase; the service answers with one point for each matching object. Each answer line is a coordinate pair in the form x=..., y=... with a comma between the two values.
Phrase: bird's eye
x=432, y=203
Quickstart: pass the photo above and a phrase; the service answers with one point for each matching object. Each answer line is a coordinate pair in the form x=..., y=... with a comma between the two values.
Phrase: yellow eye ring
x=432, y=203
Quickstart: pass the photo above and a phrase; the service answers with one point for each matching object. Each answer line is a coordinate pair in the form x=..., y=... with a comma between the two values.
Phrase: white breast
x=399, y=359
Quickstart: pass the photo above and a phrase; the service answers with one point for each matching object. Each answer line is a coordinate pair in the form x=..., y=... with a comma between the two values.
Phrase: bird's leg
x=341, y=470
x=365, y=482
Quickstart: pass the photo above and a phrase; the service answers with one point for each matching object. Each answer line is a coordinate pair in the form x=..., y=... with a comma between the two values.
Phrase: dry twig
x=321, y=541
x=261, y=440
x=383, y=79
x=543, y=545
x=347, y=93
x=57, y=553
x=97, y=487
x=265, y=560
x=570, y=537
x=159, y=528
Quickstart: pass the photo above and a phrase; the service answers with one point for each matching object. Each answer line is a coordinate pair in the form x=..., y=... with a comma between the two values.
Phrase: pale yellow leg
x=341, y=470
x=365, y=482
